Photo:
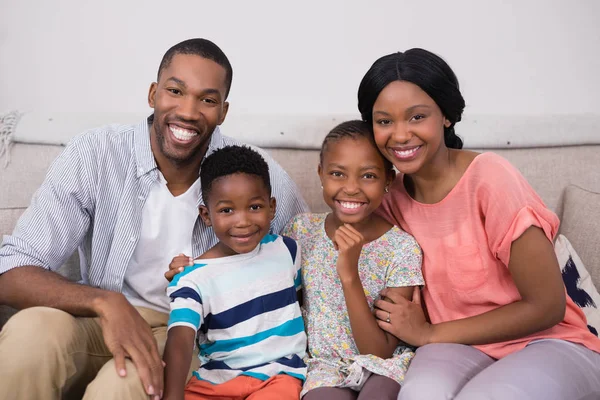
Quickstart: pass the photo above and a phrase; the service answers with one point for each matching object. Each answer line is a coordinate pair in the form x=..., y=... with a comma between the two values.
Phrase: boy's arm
x=178, y=358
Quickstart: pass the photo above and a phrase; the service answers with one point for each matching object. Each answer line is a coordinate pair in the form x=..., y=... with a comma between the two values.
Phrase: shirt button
x=132, y=239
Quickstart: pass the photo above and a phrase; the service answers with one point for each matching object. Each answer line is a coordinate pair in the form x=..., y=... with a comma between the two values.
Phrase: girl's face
x=408, y=126
x=354, y=178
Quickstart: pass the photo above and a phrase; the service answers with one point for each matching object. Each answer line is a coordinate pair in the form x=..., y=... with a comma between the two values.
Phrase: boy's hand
x=177, y=265
x=349, y=242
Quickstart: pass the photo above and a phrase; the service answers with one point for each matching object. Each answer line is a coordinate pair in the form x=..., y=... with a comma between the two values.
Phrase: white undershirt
x=167, y=227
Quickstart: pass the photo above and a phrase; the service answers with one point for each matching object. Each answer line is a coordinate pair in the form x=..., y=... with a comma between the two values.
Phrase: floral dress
x=393, y=260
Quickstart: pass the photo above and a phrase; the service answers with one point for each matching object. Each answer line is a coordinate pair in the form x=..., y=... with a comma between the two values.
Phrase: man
x=127, y=197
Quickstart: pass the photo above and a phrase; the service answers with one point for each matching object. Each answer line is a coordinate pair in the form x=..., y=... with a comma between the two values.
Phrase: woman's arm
x=369, y=338
x=537, y=276
x=178, y=358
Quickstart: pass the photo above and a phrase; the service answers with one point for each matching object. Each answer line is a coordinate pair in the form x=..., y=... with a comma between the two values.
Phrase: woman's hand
x=403, y=318
x=177, y=265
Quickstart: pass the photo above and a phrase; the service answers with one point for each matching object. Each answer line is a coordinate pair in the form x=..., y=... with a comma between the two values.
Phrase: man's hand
x=127, y=334
x=177, y=265
x=349, y=242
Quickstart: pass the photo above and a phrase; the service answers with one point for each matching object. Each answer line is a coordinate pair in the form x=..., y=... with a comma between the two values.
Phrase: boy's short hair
x=231, y=160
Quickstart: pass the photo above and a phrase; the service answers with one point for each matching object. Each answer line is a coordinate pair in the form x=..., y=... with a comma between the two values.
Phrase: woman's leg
x=379, y=387
x=330, y=393
x=549, y=370
x=439, y=371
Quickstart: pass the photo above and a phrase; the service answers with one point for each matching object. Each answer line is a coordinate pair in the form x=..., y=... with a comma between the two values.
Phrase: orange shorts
x=279, y=387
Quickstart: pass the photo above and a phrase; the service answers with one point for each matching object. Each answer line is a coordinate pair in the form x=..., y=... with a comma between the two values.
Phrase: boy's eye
x=255, y=207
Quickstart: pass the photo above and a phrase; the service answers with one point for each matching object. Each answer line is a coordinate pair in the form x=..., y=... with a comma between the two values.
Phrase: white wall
x=303, y=57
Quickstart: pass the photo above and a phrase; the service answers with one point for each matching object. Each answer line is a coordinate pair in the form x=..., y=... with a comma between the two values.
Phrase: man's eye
x=174, y=91
x=210, y=101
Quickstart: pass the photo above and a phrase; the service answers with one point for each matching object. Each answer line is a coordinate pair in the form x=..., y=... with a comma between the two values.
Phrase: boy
x=238, y=299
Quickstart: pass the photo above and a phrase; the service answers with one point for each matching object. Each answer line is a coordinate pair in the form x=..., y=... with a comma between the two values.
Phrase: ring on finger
x=388, y=318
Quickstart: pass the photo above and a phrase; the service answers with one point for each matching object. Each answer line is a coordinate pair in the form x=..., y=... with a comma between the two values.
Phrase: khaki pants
x=46, y=353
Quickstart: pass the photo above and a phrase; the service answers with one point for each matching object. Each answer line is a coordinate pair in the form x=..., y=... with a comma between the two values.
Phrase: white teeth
x=347, y=204
x=182, y=134
x=406, y=153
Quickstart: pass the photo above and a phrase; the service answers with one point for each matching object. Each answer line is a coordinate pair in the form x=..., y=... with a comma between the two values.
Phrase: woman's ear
x=204, y=214
x=447, y=122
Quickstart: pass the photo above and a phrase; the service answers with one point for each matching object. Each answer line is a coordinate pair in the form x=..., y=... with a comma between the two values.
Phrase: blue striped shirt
x=92, y=200
x=245, y=312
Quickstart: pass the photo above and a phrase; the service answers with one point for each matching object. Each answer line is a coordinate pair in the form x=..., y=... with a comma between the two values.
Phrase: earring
x=321, y=186
x=385, y=189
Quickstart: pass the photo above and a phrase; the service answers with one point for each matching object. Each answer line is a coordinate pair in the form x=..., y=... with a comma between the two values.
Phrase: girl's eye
x=255, y=207
x=226, y=210
x=370, y=176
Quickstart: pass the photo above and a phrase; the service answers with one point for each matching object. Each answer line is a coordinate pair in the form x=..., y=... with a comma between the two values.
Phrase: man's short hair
x=231, y=160
x=203, y=48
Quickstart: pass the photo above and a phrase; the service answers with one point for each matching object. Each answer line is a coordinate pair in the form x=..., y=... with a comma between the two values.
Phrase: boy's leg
x=47, y=353
x=549, y=370
x=108, y=385
x=439, y=371
x=279, y=387
x=379, y=387
x=330, y=393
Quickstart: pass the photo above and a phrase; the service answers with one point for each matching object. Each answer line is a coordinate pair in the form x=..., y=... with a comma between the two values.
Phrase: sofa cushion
x=578, y=282
x=581, y=224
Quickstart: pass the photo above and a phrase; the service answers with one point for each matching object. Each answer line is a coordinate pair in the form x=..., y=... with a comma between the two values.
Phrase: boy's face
x=240, y=212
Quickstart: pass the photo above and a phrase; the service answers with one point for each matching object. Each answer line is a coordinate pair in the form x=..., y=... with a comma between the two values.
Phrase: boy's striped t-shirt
x=245, y=312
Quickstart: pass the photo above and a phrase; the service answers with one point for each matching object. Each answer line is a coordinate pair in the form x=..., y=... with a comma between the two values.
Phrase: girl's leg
x=549, y=370
x=439, y=371
x=379, y=387
x=330, y=393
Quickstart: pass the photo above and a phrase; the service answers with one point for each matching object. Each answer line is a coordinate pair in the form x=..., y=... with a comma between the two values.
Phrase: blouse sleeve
x=405, y=267
x=509, y=206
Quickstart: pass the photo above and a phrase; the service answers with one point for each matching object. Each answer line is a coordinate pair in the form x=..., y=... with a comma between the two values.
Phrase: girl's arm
x=178, y=358
x=368, y=336
x=537, y=276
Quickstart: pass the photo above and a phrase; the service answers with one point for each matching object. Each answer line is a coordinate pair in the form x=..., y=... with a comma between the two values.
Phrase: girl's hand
x=177, y=265
x=349, y=242
x=404, y=319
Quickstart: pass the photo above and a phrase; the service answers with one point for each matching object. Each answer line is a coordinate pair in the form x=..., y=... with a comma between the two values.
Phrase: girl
x=501, y=326
x=348, y=257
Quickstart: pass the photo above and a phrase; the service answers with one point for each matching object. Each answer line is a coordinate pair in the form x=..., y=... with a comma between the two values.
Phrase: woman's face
x=408, y=126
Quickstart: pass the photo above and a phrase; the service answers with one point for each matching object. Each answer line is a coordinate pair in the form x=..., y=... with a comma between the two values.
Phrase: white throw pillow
x=579, y=284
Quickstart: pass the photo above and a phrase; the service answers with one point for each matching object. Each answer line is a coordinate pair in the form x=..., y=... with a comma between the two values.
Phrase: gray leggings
x=376, y=387
x=548, y=370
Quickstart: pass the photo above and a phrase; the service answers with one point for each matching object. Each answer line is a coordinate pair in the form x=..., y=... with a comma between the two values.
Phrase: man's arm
x=45, y=236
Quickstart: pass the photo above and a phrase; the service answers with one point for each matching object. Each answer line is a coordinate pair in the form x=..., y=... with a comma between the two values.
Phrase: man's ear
x=273, y=207
x=152, y=94
x=224, y=113
x=204, y=214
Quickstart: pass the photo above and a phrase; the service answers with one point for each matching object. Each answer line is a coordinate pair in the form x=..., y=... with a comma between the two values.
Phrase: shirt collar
x=143, y=151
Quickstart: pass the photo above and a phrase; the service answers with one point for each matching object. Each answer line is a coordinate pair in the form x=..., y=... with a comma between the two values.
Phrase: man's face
x=189, y=102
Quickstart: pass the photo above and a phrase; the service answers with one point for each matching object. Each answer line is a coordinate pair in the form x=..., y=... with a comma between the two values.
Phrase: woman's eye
x=418, y=117
x=337, y=174
x=384, y=122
